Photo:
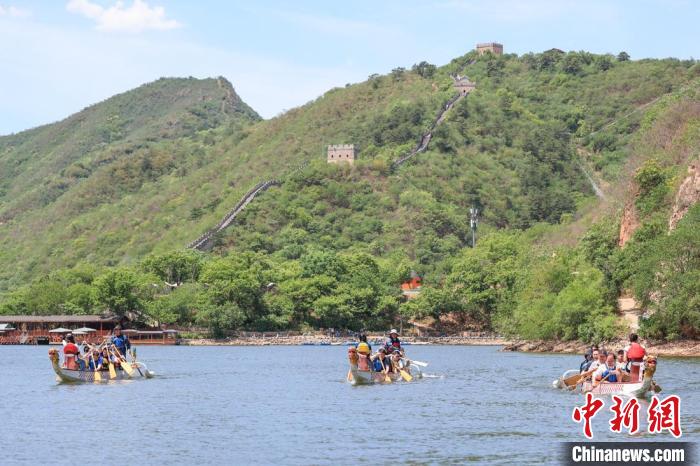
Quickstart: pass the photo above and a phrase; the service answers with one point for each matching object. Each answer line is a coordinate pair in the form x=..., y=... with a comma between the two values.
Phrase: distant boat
x=572, y=380
x=361, y=372
x=76, y=376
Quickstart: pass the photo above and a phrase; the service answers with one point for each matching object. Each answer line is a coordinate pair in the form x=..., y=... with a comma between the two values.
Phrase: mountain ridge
x=510, y=150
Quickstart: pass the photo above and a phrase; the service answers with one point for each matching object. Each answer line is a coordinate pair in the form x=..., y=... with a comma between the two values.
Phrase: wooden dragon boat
x=363, y=376
x=359, y=377
x=140, y=371
x=638, y=389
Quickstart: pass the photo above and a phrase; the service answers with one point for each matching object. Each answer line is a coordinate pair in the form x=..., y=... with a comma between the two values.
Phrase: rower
x=363, y=352
x=121, y=341
x=95, y=360
x=70, y=352
x=608, y=372
x=363, y=346
x=595, y=361
x=634, y=354
x=587, y=359
x=393, y=340
x=380, y=361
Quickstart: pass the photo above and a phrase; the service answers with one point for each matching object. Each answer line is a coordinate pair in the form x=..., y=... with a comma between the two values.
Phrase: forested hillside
x=330, y=246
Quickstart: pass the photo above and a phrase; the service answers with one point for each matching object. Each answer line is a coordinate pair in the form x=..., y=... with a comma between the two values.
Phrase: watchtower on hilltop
x=341, y=153
x=493, y=47
x=463, y=84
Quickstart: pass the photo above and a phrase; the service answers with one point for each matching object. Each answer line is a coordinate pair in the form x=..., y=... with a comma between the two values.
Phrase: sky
x=59, y=56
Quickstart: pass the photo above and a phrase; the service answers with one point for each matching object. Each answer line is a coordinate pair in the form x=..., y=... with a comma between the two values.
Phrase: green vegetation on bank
x=331, y=245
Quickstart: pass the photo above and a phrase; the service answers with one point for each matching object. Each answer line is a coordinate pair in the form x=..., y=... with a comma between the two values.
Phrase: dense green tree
x=424, y=69
x=122, y=290
x=175, y=267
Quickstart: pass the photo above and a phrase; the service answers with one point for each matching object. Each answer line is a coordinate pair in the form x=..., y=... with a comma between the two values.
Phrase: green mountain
x=67, y=185
x=107, y=199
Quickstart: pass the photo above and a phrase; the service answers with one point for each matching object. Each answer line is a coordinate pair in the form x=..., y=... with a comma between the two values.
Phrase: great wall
x=205, y=241
x=464, y=87
x=461, y=83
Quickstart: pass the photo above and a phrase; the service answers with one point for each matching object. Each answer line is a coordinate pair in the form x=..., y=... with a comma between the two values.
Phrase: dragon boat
x=641, y=387
x=139, y=371
x=360, y=372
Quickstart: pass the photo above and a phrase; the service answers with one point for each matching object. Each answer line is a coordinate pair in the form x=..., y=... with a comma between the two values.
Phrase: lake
x=291, y=405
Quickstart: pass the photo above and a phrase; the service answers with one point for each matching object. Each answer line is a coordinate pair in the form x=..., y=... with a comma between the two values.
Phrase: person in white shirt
x=608, y=372
x=598, y=360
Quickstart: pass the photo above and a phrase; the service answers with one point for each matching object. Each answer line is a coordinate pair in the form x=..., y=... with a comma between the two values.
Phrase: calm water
x=290, y=405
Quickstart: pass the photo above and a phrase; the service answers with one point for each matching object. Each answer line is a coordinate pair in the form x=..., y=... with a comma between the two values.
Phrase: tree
x=424, y=69
x=572, y=63
x=397, y=73
x=666, y=276
x=623, y=56
x=603, y=62
x=175, y=267
x=123, y=290
x=432, y=302
x=484, y=278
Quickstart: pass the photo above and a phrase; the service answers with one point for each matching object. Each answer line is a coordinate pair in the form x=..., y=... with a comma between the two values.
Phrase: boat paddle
x=123, y=363
x=576, y=379
x=110, y=364
x=387, y=379
x=405, y=375
x=349, y=375
x=98, y=376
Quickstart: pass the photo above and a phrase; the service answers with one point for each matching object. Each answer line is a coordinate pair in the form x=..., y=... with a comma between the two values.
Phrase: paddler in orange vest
x=634, y=355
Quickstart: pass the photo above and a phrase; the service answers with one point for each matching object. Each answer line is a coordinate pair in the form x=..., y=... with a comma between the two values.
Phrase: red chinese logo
x=661, y=415
x=627, y=416
x=586, y=413
x=665, y=415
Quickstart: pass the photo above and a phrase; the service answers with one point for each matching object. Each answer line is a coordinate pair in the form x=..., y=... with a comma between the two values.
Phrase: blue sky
x=59, y=56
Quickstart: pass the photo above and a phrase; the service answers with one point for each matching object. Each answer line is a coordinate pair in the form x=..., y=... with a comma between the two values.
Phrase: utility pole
x=473, y=223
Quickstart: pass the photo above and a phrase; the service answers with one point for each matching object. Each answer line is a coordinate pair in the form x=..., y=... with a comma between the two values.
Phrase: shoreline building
x=411, y=288
x=492, y=47
x=341, y=153
x=93, y=329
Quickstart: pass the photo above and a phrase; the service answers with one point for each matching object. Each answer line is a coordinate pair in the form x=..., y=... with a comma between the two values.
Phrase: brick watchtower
x=341, y=153
x=463, y=84
x=493, y=47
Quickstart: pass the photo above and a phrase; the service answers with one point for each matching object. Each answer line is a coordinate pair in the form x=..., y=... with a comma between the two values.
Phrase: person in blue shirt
x=121, y=341
x=96, y=361
x=380, y=362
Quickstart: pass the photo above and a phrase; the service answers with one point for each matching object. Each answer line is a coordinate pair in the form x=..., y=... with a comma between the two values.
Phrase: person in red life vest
x=393, y=341
x=634, y=355
x=70, y=353
x=635, y=352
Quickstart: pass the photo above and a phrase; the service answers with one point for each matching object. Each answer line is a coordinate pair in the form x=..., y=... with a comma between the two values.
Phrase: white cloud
x=140, y=16
x=56, y=72
x=14, y=12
